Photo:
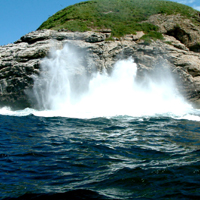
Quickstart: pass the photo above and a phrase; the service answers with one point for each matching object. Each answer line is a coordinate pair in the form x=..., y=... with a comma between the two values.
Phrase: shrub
x=121, y=16
x=152, y=35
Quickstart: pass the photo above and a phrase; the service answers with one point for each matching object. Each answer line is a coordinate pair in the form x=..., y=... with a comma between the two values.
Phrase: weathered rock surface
x=180, y=28
x=21, y=60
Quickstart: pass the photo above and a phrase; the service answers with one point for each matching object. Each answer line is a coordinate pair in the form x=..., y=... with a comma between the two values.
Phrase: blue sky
x=192, y=3
x=19, y=17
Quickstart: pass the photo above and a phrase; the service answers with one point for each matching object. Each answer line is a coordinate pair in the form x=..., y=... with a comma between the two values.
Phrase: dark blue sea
x=106, y=136
x=99, y=158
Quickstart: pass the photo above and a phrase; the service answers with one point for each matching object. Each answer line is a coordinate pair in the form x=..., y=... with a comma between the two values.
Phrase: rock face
x=179, y=50
x=180, y=28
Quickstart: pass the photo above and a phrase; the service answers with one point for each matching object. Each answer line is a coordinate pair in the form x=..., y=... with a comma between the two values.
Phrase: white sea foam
x=58, y=92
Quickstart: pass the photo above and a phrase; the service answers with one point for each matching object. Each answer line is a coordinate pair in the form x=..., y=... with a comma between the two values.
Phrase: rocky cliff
x=179, y=50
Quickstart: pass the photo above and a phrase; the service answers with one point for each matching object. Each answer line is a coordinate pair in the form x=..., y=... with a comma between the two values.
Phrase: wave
x=74, y=194
x=60, y=90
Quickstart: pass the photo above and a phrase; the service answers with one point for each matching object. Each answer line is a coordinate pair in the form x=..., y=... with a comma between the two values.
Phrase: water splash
x=57, y=91
x=55, y=86
x=64, y=89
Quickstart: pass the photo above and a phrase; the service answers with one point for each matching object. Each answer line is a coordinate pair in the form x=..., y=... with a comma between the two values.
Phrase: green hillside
x=121, y=16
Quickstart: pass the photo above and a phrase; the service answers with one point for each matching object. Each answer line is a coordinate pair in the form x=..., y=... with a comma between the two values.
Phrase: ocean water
x=103, y=136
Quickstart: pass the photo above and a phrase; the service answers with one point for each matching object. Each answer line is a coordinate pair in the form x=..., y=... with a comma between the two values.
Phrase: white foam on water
x=57, y=93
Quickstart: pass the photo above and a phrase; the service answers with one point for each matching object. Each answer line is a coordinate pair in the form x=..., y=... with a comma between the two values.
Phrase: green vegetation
x=121, y=16
x=152, y=35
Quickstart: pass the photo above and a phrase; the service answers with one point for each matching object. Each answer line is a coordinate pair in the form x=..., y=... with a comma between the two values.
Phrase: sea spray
x=59, y=82
x=57, y=93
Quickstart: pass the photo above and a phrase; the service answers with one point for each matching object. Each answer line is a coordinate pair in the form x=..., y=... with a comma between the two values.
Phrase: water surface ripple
x=117, y=158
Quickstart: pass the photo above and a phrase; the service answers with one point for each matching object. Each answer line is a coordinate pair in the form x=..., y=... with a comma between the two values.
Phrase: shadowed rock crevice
x=180, y=35
x=195, y=48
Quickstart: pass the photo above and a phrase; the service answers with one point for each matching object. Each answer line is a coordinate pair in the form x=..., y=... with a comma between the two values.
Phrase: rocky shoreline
x=21, y=60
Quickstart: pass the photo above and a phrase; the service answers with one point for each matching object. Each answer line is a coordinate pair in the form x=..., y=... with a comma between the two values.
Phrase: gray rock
x=20, y=61
x=180, y=28
x=96, y=37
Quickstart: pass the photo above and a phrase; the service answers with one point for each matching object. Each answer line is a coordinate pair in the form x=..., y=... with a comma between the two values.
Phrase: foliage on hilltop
x=121, y=16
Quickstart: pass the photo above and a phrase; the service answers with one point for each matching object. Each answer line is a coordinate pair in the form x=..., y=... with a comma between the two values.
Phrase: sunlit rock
x=19, y=62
